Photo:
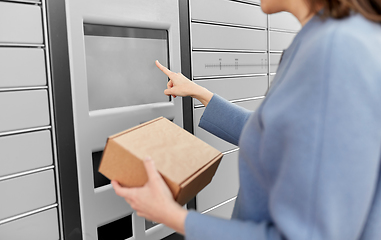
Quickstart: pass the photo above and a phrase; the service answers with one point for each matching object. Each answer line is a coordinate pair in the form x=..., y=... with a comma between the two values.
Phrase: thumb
x=149, y=164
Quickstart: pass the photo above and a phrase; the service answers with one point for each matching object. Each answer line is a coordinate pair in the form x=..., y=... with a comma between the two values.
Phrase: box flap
x=198, y=181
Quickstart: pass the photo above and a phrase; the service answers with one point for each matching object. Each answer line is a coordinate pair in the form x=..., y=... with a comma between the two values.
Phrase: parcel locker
x=41, y=226
x=280, y=41
x=236, y=88
x=24, y=152
x=27, y=193
x=284, y=21
x=20, y=23
x=224, y=185
x=22, y=67
x=217, y=64
x=28, y=109
x=228, y=12
x=214, y=37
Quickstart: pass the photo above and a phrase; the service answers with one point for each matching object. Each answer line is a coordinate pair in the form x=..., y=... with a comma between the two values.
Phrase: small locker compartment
x=284, y=21
x=228, y=12
x=23, y=152
x=20, y=23
x=24, y=109
x=27, y=193
x=216, y=64
x=22, y=67
x=206, y=36
x=280, y=41
x=236, y=88
x=41, y=226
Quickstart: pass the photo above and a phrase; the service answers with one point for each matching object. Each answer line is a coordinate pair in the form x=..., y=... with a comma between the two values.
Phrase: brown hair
x=371, y=9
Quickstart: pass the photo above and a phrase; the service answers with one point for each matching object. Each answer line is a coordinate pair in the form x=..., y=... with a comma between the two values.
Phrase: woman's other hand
x=154, y=201
x=179, y=85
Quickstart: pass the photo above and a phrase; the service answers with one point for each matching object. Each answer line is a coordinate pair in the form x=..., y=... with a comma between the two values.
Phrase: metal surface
x=232, y=38
x=228, y=12
x=236, y=88
x=284, y=21
x=280, y=41
x=28, y=109
x=216, y=64
x=20, y=23
x=41, y=226
x=30, y=60
x=38, y=190
x=25, y=151
x=101, y=205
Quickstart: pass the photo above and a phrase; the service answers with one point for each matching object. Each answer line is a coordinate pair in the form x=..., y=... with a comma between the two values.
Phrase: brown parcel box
x=186, y=163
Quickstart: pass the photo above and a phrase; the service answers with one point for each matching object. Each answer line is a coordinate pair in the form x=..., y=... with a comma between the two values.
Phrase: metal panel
x=284, y=21
x=19, y=195
x=41, y=226
x=24, y=109
x=207, y=137
x=223, y=186
x=25, y=152
x=205, y=36
x=236, y=88
x=274, y=62
x=280, y=41
x=224, y=11
x=101, y=205
x=207, y=64
x=20, y=23
x=22, y=67
x=224, y=211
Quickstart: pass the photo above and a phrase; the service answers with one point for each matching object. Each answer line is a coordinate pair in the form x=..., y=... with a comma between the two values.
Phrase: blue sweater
x=309, y=160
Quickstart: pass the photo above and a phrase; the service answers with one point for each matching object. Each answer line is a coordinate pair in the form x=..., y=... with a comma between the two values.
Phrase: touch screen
x=121, y=68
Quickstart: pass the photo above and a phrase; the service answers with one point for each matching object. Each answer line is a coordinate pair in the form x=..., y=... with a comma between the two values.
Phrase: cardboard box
x=186, y=163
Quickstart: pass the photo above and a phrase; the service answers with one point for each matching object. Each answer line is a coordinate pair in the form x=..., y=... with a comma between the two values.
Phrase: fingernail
x=148, y=158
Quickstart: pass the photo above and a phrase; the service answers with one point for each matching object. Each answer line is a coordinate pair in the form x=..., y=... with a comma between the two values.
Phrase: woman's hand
x=179, y=85
x=154, y=200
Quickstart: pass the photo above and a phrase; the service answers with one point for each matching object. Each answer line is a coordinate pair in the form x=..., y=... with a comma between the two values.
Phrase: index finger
x=163, y=69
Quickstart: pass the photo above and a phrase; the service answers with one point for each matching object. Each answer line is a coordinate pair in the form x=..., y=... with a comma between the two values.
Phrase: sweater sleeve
x=329, y=166
x=224, y=119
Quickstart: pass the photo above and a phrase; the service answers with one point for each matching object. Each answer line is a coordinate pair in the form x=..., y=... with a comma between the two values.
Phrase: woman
x=309, y=160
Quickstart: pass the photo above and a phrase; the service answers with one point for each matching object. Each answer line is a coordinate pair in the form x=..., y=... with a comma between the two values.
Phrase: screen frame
x=99, y=29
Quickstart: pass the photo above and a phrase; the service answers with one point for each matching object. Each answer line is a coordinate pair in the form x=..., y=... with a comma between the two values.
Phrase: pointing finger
x=163, y=69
